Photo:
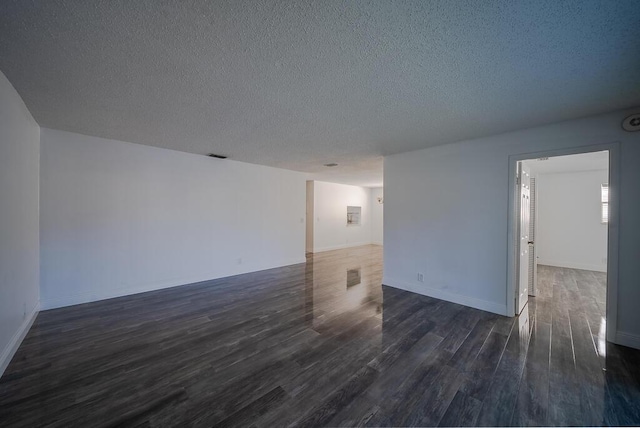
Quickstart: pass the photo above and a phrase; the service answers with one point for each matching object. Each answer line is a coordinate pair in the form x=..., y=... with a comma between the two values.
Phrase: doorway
x=563, y=235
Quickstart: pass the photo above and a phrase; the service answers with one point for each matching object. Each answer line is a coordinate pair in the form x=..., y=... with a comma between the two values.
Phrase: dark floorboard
x=309, y=345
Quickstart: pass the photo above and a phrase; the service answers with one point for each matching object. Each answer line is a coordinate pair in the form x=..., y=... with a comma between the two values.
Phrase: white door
x=533, y=258
x=524, y=214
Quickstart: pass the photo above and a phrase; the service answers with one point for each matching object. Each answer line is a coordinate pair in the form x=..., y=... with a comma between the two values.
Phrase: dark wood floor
x=323, y=344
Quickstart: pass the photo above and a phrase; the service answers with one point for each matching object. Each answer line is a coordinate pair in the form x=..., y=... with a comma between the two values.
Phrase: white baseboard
x=627, y=339
x=437, y=293
x=342, y=246
x=13, y=345
x=94, y=296
x=571, y=265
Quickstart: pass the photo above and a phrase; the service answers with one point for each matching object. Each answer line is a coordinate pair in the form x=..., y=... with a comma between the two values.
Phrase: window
x=604, y=197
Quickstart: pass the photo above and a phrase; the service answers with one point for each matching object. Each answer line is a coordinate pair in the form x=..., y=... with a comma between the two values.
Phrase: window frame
x=604, y=203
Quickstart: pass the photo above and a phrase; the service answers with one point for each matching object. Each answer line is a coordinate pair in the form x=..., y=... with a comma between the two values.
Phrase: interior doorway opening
x=342, y=216
x=562, y=221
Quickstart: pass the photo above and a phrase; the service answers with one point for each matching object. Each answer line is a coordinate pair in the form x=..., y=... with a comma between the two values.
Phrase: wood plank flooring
x=323, y=344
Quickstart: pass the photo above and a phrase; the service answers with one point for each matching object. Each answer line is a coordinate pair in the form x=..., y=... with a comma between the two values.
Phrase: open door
x=533, y=256
x=523, y=214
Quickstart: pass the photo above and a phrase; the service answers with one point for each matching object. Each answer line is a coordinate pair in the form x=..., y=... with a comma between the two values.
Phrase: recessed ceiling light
x=213, y=155
x=332, y=164
x=631, y=123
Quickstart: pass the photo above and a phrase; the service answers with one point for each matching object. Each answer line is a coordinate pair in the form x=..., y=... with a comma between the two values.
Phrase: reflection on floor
x=322, y=344
x=572, y=376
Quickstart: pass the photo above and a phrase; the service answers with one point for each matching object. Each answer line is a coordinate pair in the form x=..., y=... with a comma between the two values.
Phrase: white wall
x=19, y=187
x=120, y=218
x=330, y=211
x=446, y=211
x=569, y=229
x=377, y=216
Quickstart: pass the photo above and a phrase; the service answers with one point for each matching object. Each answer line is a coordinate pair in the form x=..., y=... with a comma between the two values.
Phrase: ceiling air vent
x=330, y=165
x=631, y=123
x=213, y=155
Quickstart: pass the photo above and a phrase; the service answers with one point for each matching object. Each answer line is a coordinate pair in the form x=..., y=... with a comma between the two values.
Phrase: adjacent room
x=563, y=267
x=303, y=213
x=568, y=235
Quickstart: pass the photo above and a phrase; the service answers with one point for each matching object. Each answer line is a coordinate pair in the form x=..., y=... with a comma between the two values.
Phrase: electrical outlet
x=420, y=277
x=240, y=261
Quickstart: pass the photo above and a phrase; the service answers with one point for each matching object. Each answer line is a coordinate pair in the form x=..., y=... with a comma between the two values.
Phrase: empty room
x=310, y=213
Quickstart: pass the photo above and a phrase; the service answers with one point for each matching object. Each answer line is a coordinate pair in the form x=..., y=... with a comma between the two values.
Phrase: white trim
x=572, y=265
x=437, y=293
x=627, y=339
x=94, y=296
x=341, y=246
x=612, y=227
x=13, y=345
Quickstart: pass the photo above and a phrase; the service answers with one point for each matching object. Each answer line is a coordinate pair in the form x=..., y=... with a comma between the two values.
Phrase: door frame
x=309, y=216
x=520, y=174
x=612, y=227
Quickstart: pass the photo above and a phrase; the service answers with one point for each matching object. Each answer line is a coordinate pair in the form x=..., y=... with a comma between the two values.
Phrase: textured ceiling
x=296, y=84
